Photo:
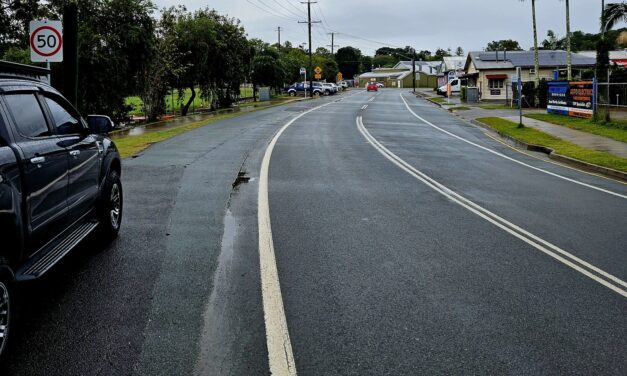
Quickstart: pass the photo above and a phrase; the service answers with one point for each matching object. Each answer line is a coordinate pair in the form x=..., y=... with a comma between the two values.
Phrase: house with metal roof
x=451, y=66
x=494, y=72
x=400, y=76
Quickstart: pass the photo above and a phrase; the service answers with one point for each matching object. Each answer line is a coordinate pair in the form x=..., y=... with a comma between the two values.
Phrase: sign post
x=318, y=73
x=520, y=96
x=303, y=71
x=46, y=42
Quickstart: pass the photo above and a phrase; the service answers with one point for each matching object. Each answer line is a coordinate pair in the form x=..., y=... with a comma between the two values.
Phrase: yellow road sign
x=318, y=70
x=340, y=77
x=318, y=76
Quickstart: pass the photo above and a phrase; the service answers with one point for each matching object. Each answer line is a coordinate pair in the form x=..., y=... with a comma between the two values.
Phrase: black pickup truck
x=59, y=180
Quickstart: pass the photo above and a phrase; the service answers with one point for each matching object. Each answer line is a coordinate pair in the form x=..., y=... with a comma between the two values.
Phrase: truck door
x=44, y=164
x=83, y=155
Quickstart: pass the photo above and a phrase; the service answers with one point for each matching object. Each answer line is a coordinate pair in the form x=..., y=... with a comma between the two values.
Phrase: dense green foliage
x=503, y=44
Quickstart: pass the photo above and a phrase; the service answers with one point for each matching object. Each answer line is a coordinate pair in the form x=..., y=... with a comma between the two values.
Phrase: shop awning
x=496, y=76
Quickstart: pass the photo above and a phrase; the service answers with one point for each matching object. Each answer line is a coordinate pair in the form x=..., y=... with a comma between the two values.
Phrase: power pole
x=279, y=30
x=309, y=22
x=332, y=45
x=413, y=68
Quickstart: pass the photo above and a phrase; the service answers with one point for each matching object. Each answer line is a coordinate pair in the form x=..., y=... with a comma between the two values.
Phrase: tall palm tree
x=569, y=61
x=536, y=60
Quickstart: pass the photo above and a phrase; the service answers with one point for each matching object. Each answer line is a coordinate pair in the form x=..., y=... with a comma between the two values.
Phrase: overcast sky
x=423, y=24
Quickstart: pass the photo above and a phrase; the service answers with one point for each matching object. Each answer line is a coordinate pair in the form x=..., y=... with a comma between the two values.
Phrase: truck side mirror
x=99, y=124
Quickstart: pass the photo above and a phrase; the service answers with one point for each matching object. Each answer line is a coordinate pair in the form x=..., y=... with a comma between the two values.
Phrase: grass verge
x=616, y=130
x=496, y=107
x=437, y=99
x=536, y=137
x=459, y=108
x=129, y=146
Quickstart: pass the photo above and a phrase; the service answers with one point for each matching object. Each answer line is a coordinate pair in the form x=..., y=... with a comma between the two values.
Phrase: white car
x=342, y=84
x=329, y=88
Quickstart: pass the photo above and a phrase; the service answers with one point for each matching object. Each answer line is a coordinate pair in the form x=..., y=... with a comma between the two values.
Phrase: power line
x=287, y=9
x=269, y=12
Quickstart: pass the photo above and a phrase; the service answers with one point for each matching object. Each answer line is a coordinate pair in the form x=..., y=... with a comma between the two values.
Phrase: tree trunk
x=536, y=80
x=568, y=49
x=185, y=108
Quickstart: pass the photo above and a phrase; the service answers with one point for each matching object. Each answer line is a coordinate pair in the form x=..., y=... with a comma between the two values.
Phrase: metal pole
x=49, y=78
x=413, y=68
x=520, y=97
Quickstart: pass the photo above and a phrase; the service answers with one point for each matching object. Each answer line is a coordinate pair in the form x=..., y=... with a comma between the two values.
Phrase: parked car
x=329, y=88
x=59, y=181
x=372, y=86
x=299, y=89
x=380, y=85
x=342, y=84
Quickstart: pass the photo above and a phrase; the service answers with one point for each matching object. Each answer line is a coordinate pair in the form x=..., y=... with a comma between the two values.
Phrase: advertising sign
x=46, y=41
x=575, y=98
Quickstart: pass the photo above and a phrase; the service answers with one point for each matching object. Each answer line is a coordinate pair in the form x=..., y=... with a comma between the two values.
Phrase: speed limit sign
x=46, y=41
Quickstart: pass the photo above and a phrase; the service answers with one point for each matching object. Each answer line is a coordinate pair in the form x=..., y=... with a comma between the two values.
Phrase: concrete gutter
x=605, y=171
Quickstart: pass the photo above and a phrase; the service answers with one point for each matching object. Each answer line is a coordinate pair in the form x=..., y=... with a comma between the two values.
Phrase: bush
x=543, y=91
x=464, y=93
x=529, y=91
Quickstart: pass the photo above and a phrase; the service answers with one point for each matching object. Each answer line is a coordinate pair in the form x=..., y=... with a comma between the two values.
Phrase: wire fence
x=612, y=95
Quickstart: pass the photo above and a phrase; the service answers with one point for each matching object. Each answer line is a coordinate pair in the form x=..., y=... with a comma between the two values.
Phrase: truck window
x=64, y=121
x=27, y=115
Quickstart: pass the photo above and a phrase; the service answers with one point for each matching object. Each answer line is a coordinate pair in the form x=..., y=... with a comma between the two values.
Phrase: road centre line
x=542, y=245
x=371, y=99
x=507, y=157
x=280, y=353
x=364, y=106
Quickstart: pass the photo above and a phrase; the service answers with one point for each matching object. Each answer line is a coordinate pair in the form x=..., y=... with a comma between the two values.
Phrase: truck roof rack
x=12, y=70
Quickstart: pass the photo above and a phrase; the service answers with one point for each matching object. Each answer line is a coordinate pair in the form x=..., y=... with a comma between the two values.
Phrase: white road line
x=510, y=158
x=544, y=246
x=280, y=354
x=364, y=106
x=371, y=99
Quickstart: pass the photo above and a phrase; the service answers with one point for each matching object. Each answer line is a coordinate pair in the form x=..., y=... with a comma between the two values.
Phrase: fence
x=612, y=97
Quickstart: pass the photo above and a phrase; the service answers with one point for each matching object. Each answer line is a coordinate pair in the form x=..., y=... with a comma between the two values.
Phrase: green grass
x=496, y=107
x=131, y=145
x=536, y=137
x=136, y=103
x=437, y=99
x=616, y=129
x=459, y=108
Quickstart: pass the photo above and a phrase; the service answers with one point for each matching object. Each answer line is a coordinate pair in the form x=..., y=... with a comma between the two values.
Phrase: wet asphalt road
x=380, y=274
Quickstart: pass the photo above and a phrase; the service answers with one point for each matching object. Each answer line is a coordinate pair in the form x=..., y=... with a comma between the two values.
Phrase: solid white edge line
x=280, y=354
x=507, y=157
x=489, y=216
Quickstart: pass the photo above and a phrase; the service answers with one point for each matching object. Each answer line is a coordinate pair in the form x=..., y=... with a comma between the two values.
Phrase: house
x=450, y=66
x=400, y=76
x=494, y=72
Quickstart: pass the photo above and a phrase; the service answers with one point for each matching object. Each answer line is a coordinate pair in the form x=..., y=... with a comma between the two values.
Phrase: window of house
x=496, y=84
x=65, y=121
x=27, y=114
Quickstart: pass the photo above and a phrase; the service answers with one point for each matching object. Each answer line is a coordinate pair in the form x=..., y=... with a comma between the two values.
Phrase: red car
x=372, y=86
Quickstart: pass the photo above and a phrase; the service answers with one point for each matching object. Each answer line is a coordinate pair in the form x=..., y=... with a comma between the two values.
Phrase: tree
x=612, y=14
x=440, y=53
x=568, y=45
x=459, y=51
x=349, y=61
x=383, y=61
x=536, y=59
x=503, y=45
x=552, y=41
x=366, y=63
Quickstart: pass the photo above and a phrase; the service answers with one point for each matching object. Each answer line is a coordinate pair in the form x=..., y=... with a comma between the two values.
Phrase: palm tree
x=569, y=61
x=612, y=14
x=536, y=60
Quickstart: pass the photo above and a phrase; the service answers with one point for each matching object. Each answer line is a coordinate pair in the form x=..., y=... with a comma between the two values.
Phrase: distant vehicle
x=59, y=181
x=372, y=86
x=380, y=84
x=456, y=86
x=342, y=84
x=299, y=88
x=329, y=88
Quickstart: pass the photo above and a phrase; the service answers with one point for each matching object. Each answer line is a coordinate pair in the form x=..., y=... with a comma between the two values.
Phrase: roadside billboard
x=574, y=98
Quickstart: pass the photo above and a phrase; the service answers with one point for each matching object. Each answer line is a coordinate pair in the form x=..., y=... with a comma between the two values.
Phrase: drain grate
x=241, y=178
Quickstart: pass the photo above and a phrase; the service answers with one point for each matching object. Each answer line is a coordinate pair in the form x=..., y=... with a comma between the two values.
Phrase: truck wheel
x=292, y=94
x=112, y=204
x=6, y=308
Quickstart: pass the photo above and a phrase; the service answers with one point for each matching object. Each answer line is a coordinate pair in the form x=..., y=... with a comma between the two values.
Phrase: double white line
x=566, y=258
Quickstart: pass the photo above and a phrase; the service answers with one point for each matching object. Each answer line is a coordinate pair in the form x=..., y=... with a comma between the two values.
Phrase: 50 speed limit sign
x=46, y=41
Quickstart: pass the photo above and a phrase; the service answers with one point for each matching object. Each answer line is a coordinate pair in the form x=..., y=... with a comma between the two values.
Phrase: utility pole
x=279, y=30
x=413, y=68
x=332, y=45
x=309, y=22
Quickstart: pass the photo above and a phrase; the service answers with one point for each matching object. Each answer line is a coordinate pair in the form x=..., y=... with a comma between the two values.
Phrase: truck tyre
x=111, y=206
x=6, y=308
x=292, y=93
